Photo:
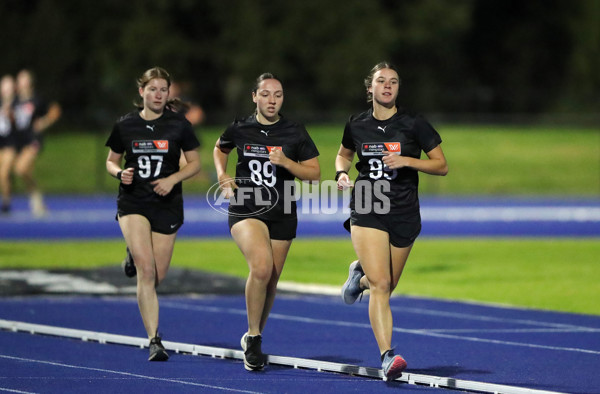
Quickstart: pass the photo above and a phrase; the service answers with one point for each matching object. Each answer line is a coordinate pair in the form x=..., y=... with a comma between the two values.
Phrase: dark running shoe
x=128, y=265
x=351, y=289
x=157, y=350
x=392, y=365
x=254, y=359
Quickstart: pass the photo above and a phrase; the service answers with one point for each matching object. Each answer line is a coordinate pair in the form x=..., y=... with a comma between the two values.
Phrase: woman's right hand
x=227, y=184
x=127, y=176
x=344, y=182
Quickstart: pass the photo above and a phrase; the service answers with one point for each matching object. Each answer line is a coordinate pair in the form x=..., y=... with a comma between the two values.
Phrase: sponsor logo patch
x=377, y=148
x=255, y=150
x=150, y=146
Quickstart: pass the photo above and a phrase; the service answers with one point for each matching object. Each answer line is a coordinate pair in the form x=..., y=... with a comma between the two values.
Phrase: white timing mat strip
x=216, y=352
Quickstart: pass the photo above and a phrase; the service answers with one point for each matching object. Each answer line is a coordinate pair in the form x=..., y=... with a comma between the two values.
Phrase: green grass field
x=483, y=160
x=556, y=274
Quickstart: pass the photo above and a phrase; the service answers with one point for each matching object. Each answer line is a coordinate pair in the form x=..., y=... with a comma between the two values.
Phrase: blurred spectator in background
x=7, y=146
x=33, y=116
x=194, y=113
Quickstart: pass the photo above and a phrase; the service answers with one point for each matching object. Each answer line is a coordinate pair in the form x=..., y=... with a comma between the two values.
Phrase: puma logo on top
x=151, y=127
x=265, y=132
x=382, y=128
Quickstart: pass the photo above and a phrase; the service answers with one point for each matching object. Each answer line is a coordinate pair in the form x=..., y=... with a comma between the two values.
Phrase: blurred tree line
x=455, y=56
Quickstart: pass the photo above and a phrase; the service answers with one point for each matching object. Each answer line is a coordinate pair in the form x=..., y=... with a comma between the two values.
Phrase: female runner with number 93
x=272, y=151
x=384, y=218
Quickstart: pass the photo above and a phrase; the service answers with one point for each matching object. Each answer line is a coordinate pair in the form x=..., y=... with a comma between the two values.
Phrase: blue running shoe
x=392, y=365
x=351, y=289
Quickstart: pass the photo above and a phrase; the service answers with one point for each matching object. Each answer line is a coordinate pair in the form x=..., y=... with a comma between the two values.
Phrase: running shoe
x=243, y=341
x=254, y=359
x=351, y=289
x=157, y=350
x=128, y=265
x=37, y=206
x=392, y=365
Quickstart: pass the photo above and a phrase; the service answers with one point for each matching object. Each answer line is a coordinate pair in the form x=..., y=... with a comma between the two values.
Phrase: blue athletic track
x=65, y=343
x=497, y=349
x=92, y=217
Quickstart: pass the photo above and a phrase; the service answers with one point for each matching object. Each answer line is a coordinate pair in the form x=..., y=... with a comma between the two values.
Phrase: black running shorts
x=281, y=230
x=403, y=229
x=164, y=218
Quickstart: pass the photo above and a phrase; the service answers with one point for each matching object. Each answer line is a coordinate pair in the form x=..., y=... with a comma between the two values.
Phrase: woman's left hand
x=277, y=157
x=163, y=186
x=393, y=161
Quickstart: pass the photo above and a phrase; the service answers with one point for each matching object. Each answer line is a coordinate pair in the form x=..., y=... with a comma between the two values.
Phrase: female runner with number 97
x=150, y=202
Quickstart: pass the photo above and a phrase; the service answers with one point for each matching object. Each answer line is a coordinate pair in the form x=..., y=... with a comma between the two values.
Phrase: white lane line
x=338, y=323
x=497, y=341
x=335, y=291
x=16, y=391
x=515, y=330
x=469, y=316
x=128, y=374
x=321, y=366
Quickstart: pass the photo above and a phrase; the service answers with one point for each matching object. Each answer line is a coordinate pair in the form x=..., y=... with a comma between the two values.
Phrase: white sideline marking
x=431, y=381
x=579, y=214
x=309, y=288
x=512, y=214
x=60, y=283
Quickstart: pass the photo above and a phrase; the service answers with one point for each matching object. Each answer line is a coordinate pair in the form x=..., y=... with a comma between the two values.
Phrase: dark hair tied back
x=263, y=77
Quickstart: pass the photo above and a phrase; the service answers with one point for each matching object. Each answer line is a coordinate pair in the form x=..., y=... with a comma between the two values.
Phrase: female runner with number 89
x=272, y=151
